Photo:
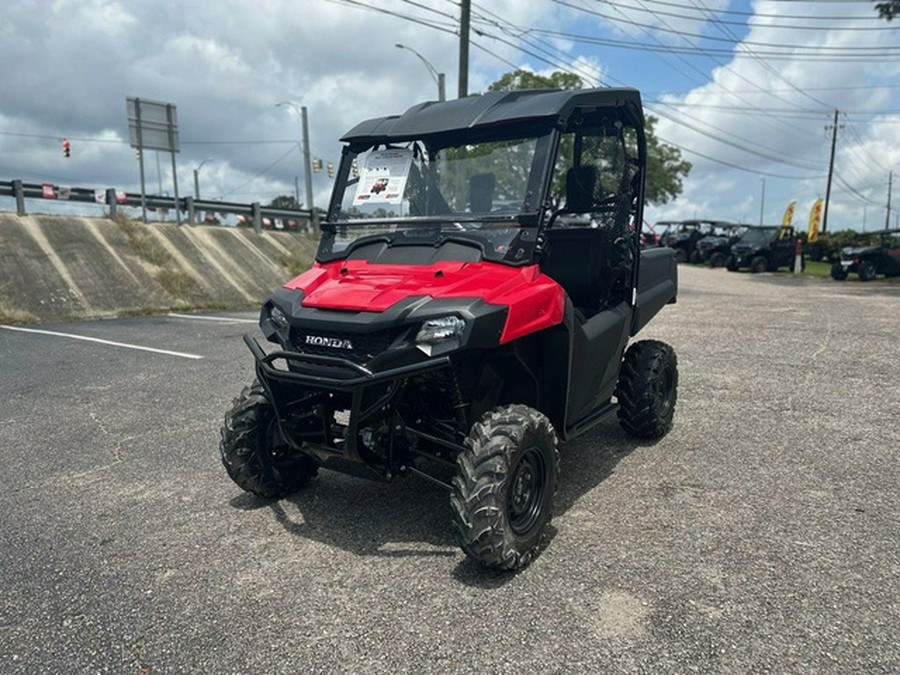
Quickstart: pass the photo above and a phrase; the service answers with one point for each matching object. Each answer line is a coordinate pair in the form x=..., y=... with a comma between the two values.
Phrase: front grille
x=364, y=345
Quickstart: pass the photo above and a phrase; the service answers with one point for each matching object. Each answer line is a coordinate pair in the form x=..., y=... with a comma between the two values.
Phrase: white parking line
x=104, y=342
x=224, y=319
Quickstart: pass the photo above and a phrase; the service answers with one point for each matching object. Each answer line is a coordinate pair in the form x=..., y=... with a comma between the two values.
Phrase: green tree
x=888, y=10
x=666, y=168
x=285, y=202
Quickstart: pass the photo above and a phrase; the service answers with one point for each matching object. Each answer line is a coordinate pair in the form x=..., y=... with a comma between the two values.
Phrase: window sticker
x=383, y=177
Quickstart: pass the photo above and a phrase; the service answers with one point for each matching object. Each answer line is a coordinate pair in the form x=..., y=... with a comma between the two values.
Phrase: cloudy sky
x=748, y=89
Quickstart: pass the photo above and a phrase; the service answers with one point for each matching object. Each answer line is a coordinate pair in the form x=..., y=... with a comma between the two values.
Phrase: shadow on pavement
x=411, y=517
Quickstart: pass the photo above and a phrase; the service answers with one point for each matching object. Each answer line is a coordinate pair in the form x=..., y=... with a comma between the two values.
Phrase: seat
x=576, y=261
x=481, y=192
x=581, y=182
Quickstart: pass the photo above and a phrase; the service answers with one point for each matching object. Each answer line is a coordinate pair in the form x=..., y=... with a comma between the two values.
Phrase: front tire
x=717, y=259
x=838, y=272
x=648, y=389
x=759, y=264
x=502, y=498
x=866, y=271
x=731, y=264
x=254, y=452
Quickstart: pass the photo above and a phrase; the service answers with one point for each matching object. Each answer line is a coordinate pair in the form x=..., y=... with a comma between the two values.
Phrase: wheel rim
x=526, y=491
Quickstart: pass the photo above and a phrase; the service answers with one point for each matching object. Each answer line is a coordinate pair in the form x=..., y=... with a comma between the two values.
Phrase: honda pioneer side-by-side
x=478, y=279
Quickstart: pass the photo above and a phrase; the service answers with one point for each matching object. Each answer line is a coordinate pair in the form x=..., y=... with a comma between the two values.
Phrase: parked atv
x=764, y=249
x=714, y=248
x=870, y=261
x=463, y=320
x=682, y=237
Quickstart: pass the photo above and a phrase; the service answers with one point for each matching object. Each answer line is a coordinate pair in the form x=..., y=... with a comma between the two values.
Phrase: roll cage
x=587, y=167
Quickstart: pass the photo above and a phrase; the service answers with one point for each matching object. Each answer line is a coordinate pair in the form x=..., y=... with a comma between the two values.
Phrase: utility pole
x=762, y=201
x=887, y=216
x=307, y=174
x=834, y=130
x=466, y=7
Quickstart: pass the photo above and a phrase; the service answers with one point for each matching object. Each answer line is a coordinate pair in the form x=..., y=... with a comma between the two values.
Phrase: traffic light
x=317, y=165
x=355, y=169
x=66, y=148
x=330, y=170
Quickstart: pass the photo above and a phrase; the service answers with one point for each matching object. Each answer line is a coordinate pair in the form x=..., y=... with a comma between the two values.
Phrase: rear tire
x=866, y=271
x=731, y=264
x=696, y=258
x=254, y=452
x=502, y=498
x=717, y=259
x=759, y=264
x=648, y=389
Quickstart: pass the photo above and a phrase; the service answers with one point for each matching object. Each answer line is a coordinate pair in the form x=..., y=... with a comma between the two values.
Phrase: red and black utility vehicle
x=469, y=313
x=881, y=256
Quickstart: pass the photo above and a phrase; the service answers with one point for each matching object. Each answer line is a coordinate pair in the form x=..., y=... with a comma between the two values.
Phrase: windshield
x=474, y=194
x=759, y=236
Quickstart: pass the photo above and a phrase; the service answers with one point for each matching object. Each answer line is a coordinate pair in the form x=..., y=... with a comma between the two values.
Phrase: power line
x=261, y=173
x=824, y=50
x=725, y=29
x=794, y=26
x=735, y=12
x=735, y=144
x=735, y=166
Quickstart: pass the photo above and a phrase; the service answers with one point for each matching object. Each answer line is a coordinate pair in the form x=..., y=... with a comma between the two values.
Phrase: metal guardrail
x=113, y=199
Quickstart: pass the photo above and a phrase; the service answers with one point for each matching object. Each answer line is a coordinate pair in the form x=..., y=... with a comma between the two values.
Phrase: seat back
x=575, y=260
x=481, y=192
x=580, y=184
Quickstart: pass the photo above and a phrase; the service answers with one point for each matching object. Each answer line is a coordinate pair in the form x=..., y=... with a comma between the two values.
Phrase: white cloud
x=225, y=64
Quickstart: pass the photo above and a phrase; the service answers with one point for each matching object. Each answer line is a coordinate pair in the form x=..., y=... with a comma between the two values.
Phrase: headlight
x=438, y=330
x=279, y=319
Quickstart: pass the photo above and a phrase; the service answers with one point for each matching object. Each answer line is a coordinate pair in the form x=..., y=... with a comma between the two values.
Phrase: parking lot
x=761, y=534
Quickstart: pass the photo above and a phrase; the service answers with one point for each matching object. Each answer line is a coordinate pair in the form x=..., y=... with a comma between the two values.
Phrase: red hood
x=535, y=301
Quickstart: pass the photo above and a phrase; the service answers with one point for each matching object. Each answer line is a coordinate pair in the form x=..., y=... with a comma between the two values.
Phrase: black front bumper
x=324, y=404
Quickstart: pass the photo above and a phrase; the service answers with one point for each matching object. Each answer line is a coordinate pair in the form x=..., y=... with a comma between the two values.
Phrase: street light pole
x=307, y=175
x=197, y=179
x=435, y=75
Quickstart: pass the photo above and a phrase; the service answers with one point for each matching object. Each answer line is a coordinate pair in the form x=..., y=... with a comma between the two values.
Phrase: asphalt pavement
x=761, y=535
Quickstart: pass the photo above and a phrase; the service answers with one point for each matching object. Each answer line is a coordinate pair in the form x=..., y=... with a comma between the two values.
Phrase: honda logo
x=332, y=342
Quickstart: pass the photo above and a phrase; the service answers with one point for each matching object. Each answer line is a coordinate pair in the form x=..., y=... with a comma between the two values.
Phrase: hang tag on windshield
x=383, y=177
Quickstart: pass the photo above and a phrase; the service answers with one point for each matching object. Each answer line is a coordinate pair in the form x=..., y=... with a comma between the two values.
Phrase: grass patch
x=178, y=284
x=16, y=316
x=815, y=268
x=144, y=244
x=293, y=264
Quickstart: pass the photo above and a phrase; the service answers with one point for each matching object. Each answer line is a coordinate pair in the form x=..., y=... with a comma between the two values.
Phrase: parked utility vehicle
x=715, y=247
x=869, y=261
x=764, y=249
x=467, y=314
x=682, y=236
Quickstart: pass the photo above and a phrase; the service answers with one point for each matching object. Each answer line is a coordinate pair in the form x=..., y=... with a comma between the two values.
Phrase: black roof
x=432, y=117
